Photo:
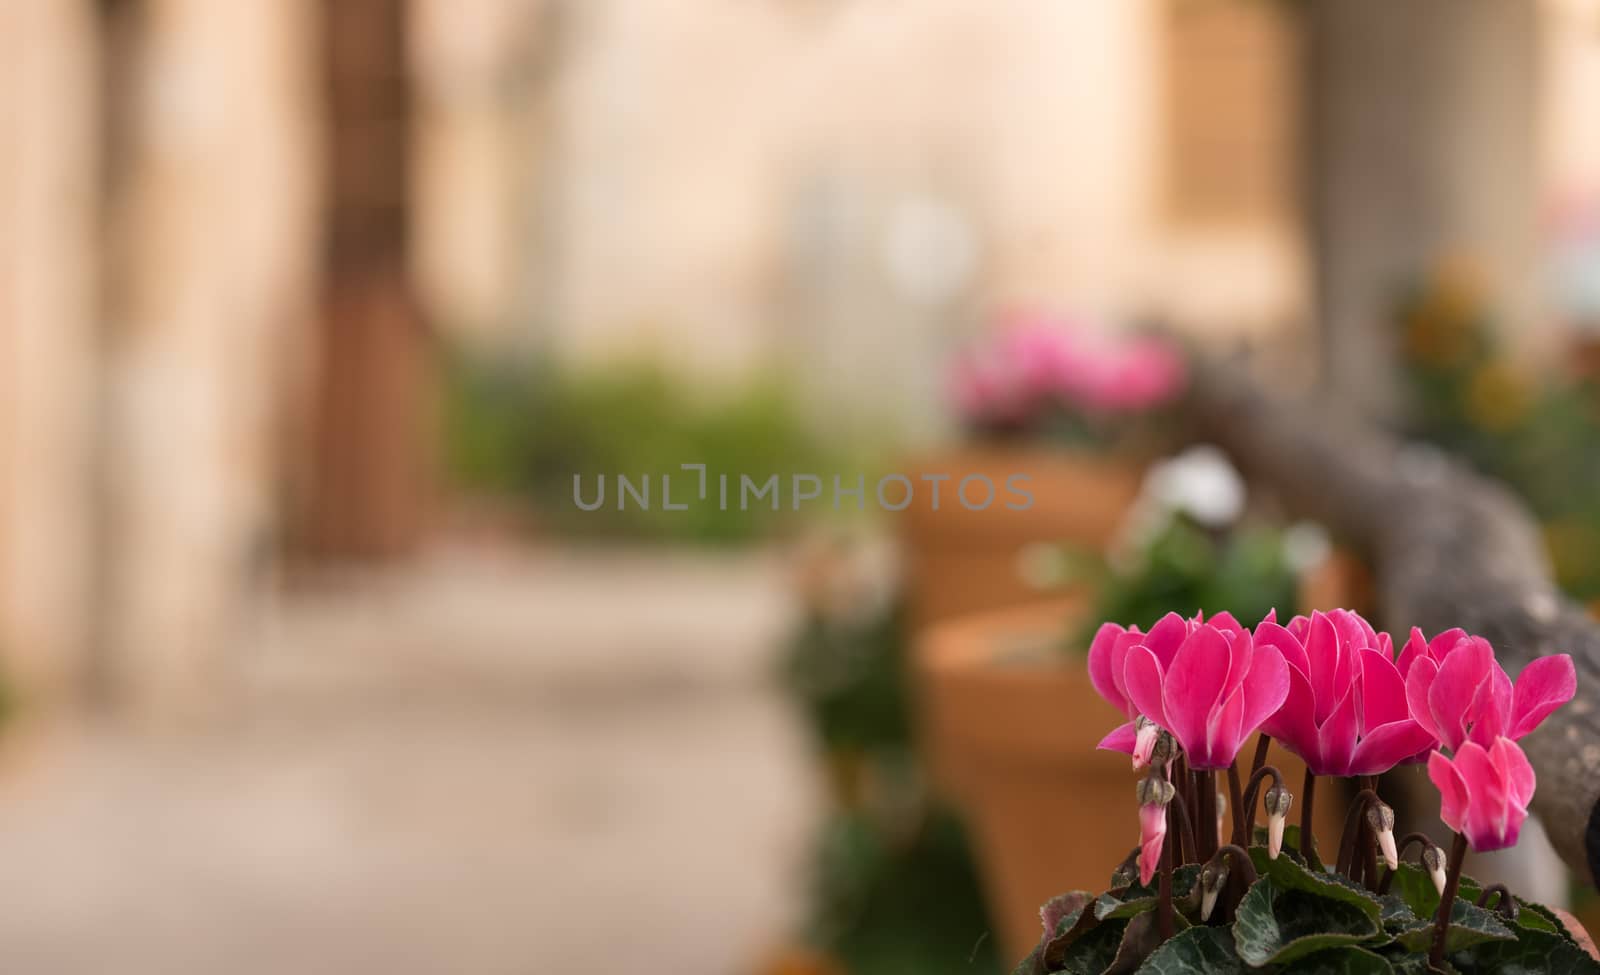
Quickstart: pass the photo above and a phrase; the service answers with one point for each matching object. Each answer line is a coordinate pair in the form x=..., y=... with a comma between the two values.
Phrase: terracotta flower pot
x=961, y=561
x=1011, y=723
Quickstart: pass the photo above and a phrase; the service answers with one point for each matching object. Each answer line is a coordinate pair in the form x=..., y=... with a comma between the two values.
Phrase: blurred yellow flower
x=1498, y=397
x=1572, y=545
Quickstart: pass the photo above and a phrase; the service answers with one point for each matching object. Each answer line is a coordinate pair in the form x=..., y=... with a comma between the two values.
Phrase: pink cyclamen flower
x=1458, y=691
x=1108, y=654
x=1154, y=794
x=1211, y=690
x=1484, y=792
x=1346, y=711
x=1152, y=834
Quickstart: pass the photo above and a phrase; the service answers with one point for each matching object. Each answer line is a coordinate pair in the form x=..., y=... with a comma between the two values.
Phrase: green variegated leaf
x=1291, y=846
x=1277, y=925
x=1342, y=961
x=1199, y=949
x=1537, y=917
x=1286, y=874
x=1395, y=913
x=1093, y=952
x=1469, y=925
x=1532, y=953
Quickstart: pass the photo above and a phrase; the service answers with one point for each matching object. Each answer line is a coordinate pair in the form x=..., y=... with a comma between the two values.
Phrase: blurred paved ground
x=493, y=764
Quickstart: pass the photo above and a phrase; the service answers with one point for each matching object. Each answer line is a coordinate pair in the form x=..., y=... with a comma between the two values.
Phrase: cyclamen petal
x=1292, y=724
x=1323, y=651
x=1459, y=691
x=1102, y=673
x=1194, y=684
x=1388, y=745
x=1349, y=688
x=1269, y=633
x=1484, y=793
x=1520, y=779
x=1453, y=792
x=1144, y=678
x=1419, y=680
x=1544, y=685
x=1224, y=732
x=1152, y=835
x=1166, y=637
x=1120, y=739
x=1383, y=692
x=1265, y=687
x=1336, y=739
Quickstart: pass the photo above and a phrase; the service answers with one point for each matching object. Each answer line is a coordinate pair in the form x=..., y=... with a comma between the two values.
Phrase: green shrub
x=525, y=431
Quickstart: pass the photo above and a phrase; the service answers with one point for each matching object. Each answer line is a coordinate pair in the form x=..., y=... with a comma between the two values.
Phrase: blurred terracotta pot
x=961, y=561
x=1011, y=723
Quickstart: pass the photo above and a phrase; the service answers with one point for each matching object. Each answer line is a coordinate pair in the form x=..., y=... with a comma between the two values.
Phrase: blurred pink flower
x=1458, y=691
x=1037, y=362
x=1484, y=792
x=1345, y=712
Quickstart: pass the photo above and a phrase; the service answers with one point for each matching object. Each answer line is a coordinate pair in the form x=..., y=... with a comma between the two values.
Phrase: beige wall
x=731, y=184
x=47, y=184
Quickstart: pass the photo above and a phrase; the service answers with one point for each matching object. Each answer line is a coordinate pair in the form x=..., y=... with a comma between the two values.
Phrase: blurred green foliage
x=524, y=431
x=1185, y=568
x=1538, y=434
x=895, y=888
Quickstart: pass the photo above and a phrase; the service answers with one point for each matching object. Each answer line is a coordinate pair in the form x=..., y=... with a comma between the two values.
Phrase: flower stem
x=1354, y=829
x=1180, y=812
x=1241, y=877
x=1164, y=923
x=1404, y=845
x=1205, y=814
x=1252, y=790
x=1241, y=830
x=1441, y=921
x=1367, y=841
x=1308, y=794
x=1263, y=742
x=1507, y=908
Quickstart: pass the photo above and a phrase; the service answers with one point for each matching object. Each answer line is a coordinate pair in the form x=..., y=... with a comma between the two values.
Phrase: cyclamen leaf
x=1537, y=917
x=1396, y=914
x=1534, y=953
x=1289, y=875
x=1094, y=951
x=1469, y=925
x=1199, y=949
x=1139, y=939
x=1343, y=961
x=1276, y=925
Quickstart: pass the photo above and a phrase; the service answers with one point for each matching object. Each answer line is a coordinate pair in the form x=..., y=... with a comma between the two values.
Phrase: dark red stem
x=1452, y=883
x=1241, y=834
x=1263, y=742
x=1308, y=797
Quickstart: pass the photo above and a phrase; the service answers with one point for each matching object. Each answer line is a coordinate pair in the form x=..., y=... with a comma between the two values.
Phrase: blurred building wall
x=209, y=267
x=852, y=188
x=47, y=380
x=155, y=251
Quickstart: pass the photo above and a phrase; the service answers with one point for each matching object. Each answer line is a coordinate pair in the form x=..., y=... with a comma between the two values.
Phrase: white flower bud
x=1433, y=861
x=1381, y=818
x=1278, y=802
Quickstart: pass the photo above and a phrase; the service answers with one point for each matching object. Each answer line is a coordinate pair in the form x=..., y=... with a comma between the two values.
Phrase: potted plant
x=1236, y=896
x=1010, y=720
x=1054, y=415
